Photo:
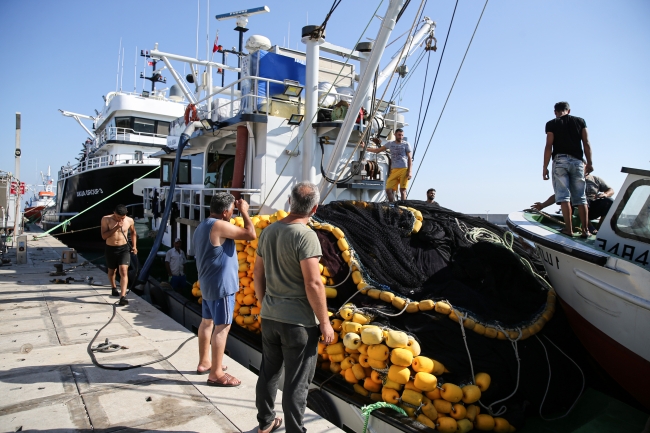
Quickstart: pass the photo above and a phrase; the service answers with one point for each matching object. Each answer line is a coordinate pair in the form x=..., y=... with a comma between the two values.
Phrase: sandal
x=276, y=425
x=225, y=381
x=223, y=368
x=585, y=235
x=564, y=232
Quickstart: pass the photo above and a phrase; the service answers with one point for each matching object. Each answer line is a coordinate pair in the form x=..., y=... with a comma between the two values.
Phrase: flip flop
x=225, y=381
x=224, y=368
x=276, y=425
x=585, y=235
x=566, y=233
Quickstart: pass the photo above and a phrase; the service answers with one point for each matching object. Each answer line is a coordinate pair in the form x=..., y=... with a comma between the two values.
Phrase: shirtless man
x=115, y=227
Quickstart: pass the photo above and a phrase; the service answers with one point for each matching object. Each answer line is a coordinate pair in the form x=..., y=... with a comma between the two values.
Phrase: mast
x=387, y=26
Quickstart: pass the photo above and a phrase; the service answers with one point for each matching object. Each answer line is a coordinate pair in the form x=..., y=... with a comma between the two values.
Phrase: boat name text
x=90, y=192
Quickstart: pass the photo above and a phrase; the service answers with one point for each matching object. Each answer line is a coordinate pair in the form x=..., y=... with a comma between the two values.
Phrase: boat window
x=166, y=172
x=162, y=128
x=196, y=163
x=632, y=217
x=123, y=122
x=184, y=172
x=144, y=125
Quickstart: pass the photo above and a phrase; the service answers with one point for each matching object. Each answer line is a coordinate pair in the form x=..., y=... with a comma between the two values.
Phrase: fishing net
x=457, y=258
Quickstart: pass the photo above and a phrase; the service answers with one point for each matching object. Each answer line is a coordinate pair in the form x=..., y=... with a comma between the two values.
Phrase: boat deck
x=47, y=381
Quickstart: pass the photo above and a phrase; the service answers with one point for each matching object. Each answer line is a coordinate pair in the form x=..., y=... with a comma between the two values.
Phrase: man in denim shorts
x=565, y=138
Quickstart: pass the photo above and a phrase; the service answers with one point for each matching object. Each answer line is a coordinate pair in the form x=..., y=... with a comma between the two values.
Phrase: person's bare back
x=117, y=231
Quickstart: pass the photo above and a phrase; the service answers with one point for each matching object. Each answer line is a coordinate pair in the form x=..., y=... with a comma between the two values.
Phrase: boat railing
x=194, y=201
x=108, y=160
x=114, y=133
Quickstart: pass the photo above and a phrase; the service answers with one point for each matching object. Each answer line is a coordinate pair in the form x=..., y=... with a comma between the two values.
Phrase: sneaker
x=123, y=301
x=115, y=292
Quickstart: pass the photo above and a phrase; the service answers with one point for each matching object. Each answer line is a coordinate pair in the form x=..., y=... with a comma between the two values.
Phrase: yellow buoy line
x=403, y=304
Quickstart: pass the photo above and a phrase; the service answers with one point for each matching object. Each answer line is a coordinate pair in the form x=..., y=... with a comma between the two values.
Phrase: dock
x=48, y=382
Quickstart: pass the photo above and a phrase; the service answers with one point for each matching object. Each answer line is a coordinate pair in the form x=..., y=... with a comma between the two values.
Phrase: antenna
x=117, y=76
x=242, y=22
x=135, y=69
x=122, y=73
x=198, y=16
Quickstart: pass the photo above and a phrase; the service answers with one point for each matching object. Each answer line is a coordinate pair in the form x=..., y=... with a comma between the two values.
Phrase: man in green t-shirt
x=294, y=310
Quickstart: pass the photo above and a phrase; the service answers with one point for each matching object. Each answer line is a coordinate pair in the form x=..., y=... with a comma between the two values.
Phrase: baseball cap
x=177, y=240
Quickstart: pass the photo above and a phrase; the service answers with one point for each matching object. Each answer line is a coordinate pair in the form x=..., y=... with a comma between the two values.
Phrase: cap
x=177, y=240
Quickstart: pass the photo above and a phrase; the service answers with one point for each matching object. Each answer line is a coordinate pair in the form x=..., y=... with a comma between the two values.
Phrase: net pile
x=413, y=268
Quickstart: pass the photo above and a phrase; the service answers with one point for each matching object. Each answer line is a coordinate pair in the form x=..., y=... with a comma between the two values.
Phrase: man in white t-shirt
x=175, y=262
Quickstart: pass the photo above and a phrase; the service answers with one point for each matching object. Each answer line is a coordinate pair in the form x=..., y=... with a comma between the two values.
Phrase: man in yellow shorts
x=401, y=164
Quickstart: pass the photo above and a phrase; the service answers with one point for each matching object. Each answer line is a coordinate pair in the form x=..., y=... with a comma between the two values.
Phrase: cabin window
x=166, y=172
x=184, y=172
x=144, y=125
x=162, y=128
x=196, y=163
x=123, y=122
x=632, y=217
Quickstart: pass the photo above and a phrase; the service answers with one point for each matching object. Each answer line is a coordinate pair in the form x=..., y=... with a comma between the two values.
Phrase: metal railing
x=194, y=201
x=106, y=161
x=128, y=134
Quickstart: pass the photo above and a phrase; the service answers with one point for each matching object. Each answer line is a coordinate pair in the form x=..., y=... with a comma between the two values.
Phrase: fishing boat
x=129, y=129
x=603, y=282
x=416, y=269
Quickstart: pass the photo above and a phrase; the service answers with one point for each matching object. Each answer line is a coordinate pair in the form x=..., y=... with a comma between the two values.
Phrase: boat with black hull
x=115, y=164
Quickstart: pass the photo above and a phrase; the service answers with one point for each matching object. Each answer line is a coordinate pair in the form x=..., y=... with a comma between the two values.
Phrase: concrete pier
x=47, y=381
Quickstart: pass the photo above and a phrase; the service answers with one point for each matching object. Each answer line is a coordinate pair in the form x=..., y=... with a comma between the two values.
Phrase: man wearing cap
x=175, y=263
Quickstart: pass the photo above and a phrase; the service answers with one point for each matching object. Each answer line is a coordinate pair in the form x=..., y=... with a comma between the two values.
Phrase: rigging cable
x=409, y=49
x=448, y=95
x=433, y=86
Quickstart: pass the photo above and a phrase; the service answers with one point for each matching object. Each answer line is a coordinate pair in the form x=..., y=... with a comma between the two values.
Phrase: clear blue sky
x=487, y=151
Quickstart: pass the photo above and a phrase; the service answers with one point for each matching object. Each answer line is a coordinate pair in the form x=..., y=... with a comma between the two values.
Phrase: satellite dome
x=175, y=93
x=258, y=42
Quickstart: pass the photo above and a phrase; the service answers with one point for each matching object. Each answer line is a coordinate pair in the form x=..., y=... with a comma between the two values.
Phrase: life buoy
x=191, y=108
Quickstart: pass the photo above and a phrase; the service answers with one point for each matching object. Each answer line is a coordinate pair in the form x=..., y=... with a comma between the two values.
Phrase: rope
x=367, y=410
x=435, y=79
x=344, y=280
x=91, y=350
x=448, y=95
x=549, y=380
x=102, y=200
x=347, y=60
x=67, y=233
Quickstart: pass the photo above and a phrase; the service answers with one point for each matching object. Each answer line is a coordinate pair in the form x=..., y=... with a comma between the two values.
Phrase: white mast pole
x=135, y=69
x=122, y=72
x=208, y=87
x=117, y=75
x=311, y=103
x=387, y=26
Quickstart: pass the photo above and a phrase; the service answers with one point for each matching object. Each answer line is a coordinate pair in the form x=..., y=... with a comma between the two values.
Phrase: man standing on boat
x=599, y=199
x=115, y=228
x=294, y=311
x=401, y=164
x=175, y=264
x=566, y=136
x=216, y=261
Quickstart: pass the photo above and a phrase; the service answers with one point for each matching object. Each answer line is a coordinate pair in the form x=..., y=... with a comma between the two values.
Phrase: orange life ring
x=191, y=108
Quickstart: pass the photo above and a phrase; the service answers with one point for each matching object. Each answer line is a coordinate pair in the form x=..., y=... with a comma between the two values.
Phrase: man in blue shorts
x=565, y=137
x=216, y=261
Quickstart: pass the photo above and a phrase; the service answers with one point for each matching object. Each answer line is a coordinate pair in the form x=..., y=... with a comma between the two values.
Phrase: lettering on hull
x=88, y=192
x=626, y=252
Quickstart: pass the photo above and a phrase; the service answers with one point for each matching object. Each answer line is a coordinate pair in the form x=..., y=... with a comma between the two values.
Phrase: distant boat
x=41, y=200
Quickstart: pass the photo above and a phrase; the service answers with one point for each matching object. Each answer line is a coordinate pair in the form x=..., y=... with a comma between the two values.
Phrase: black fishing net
x=485, y=279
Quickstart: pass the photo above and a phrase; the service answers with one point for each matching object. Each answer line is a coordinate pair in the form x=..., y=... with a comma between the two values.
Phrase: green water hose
x=367, y=410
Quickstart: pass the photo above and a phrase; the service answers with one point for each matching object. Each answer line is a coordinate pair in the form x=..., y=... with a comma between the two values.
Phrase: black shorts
x=115, y=256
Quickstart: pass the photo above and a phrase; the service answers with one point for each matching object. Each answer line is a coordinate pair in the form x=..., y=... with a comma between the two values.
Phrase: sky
x=487, y=152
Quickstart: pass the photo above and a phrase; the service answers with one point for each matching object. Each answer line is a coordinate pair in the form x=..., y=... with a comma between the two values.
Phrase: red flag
x=216, y=47
x=149, y=63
